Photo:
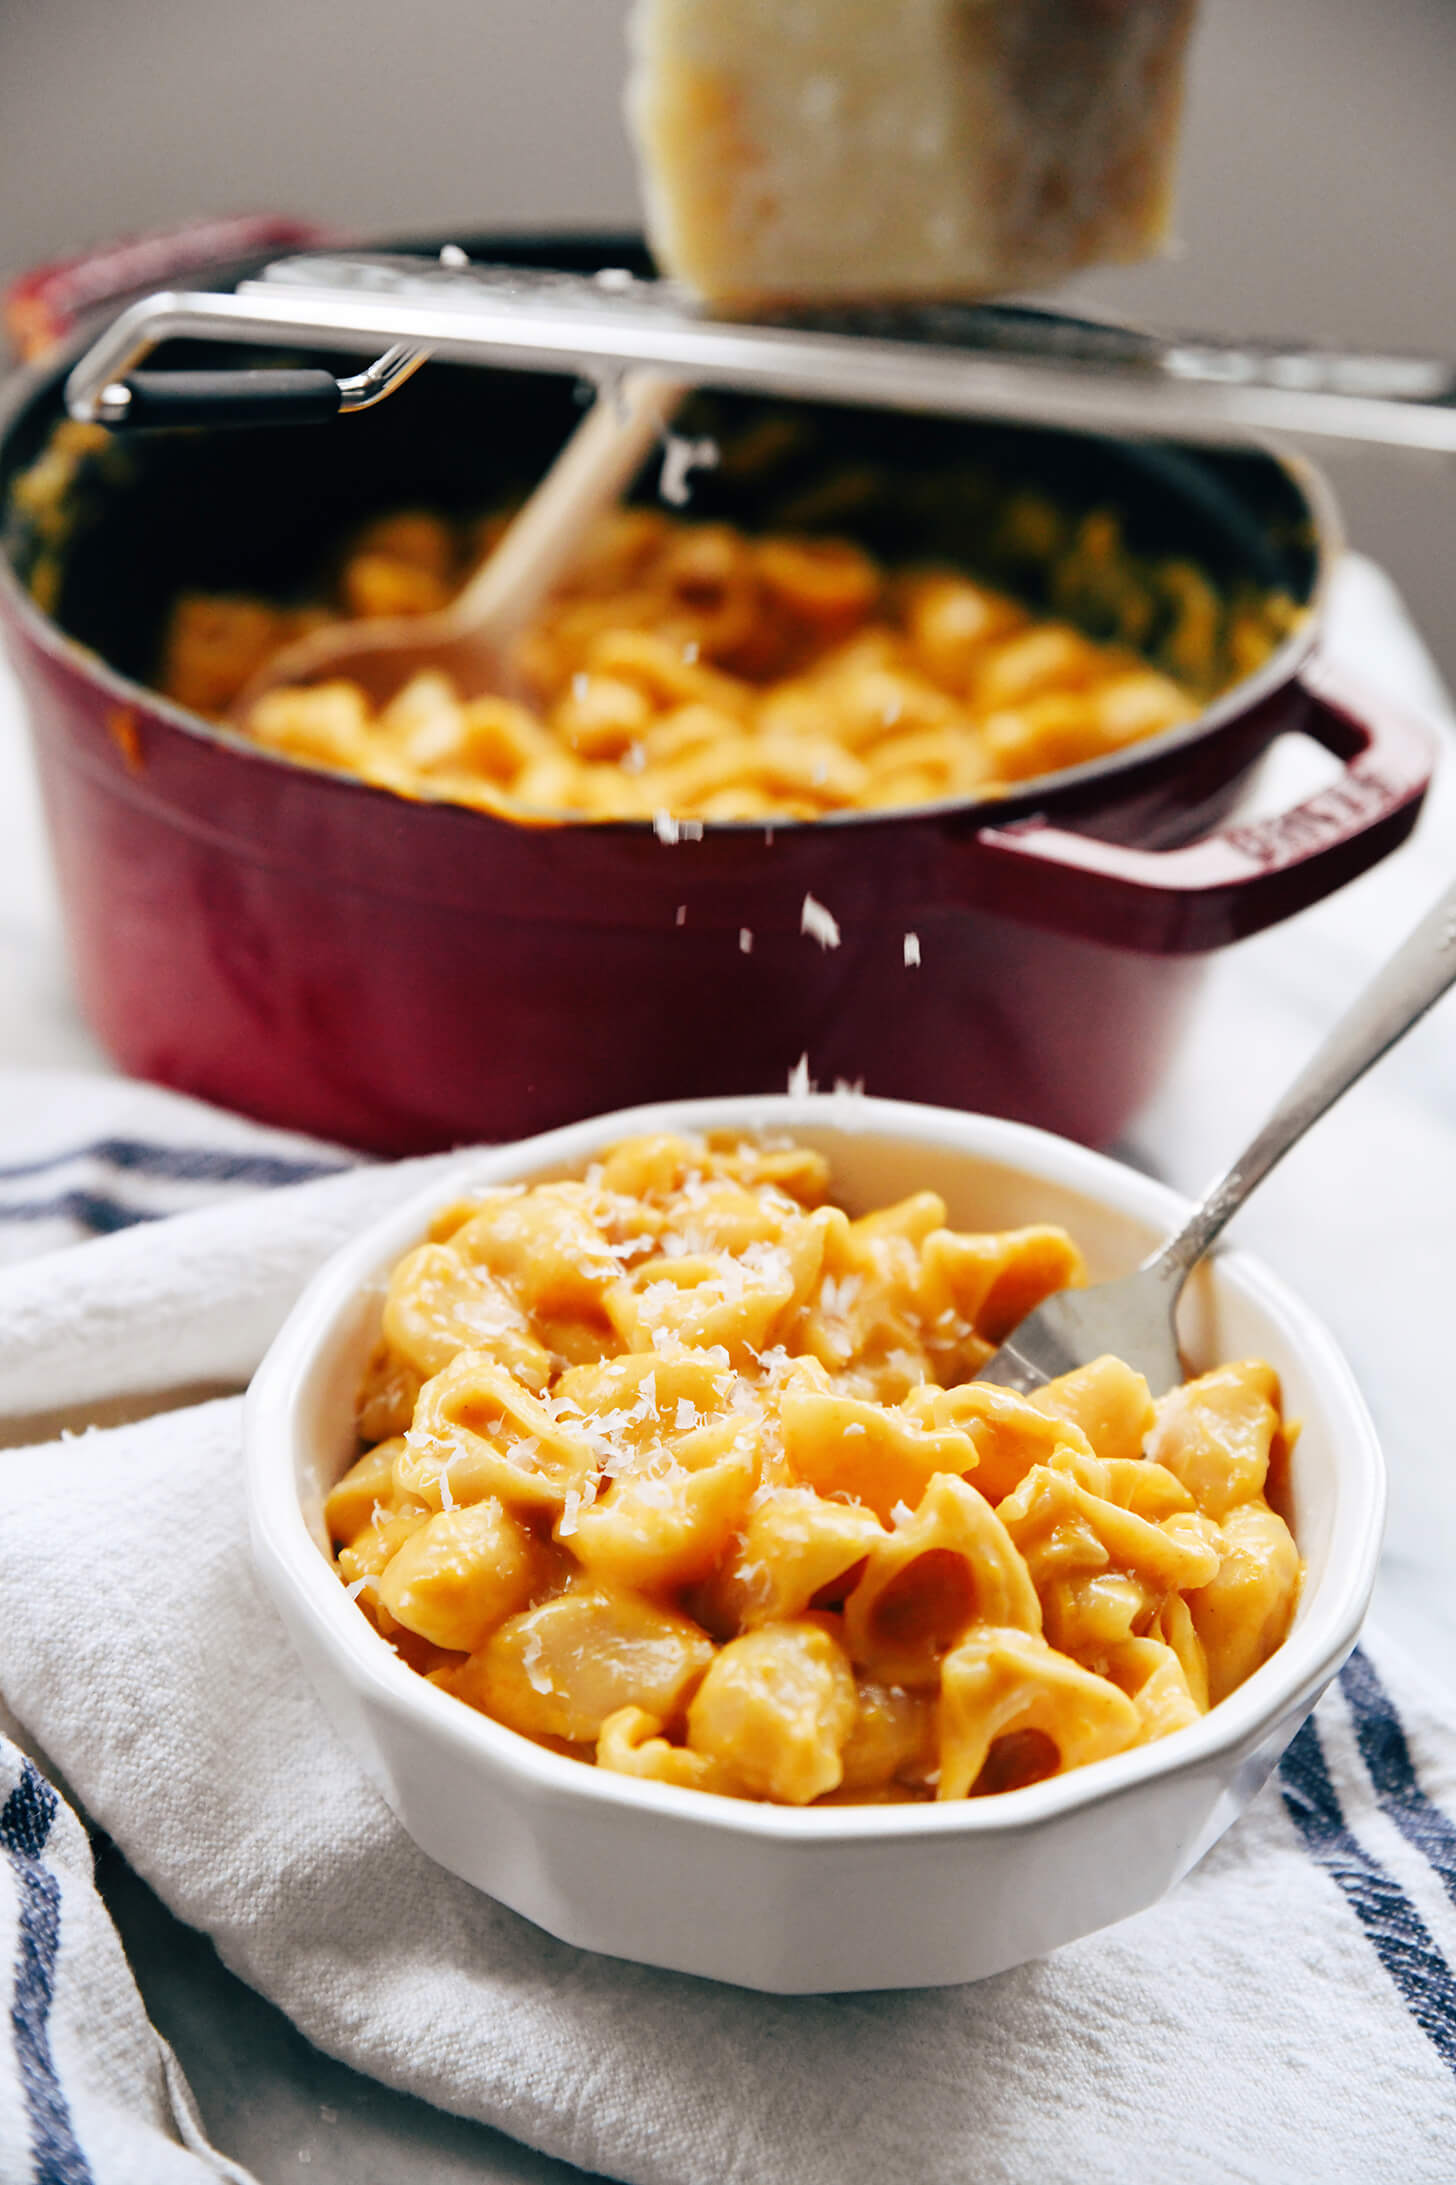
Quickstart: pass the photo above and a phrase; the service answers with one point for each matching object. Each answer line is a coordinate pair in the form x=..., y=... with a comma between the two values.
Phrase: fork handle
x=1399, y=995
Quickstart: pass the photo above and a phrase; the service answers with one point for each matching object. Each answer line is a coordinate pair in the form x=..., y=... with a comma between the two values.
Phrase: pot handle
x=41, y=307
x=1251, y=873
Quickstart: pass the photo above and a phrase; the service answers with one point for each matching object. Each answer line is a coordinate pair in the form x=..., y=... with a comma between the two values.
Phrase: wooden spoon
x=466, y=640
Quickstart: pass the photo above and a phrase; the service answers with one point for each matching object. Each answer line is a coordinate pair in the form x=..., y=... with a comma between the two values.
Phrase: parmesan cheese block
x=798, y=151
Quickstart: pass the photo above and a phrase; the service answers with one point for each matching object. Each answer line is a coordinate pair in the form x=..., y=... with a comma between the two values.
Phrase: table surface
x=1359, y=1219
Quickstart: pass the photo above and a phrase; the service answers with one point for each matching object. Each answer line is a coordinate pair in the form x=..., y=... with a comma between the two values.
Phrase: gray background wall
x=1319, y=176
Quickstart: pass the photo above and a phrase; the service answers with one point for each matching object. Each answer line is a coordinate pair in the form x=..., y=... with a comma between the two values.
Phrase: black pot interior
x=260, y=511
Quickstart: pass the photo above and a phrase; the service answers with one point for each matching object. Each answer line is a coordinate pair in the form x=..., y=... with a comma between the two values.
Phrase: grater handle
x=160, y=401
x=278, y=395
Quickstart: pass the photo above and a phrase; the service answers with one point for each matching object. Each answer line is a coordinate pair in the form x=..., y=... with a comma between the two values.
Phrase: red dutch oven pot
x=401, y=976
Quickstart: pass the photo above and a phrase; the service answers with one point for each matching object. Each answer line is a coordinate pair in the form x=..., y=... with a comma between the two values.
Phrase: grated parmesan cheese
x=530, y=1662
x=745, y=939
x=770, y=1261
x=837, y=1297
x=800, y=1081
x=680, y=458
x=912, y=951
x=902, y=1513
x=819, y=923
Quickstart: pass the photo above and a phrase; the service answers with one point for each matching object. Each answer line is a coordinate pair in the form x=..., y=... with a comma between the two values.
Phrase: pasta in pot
x=689, y=670
x=680, y=1469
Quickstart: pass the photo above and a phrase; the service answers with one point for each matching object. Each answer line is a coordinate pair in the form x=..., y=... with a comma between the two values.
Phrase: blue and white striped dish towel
x=1289, y=2013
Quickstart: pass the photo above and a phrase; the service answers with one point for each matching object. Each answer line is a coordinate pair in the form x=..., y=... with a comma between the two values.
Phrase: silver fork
x=1134, y=1316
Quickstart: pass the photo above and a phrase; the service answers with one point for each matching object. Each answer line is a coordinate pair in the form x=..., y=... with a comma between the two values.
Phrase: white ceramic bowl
x=841, y=1897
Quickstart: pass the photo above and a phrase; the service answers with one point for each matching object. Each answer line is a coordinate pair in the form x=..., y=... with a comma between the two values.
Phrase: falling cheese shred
x=819, y=923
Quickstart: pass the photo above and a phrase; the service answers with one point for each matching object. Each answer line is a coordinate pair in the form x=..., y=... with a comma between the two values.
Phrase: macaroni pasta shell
x=1108, y=1400
x=1244, y=1612
x=561, y=1669
x=925, y=1584
x=839, y=1445
x=1215, y=1434
x=462, y=1573
x=477, y=1433
x=775, y=1711
x=999, y=1684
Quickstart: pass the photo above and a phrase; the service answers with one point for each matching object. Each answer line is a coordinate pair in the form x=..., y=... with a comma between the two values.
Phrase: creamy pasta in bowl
x=635, y=1509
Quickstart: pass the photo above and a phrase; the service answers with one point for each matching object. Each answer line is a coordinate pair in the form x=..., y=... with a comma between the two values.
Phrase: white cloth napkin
x=1289, y=2013
x=88, y=2090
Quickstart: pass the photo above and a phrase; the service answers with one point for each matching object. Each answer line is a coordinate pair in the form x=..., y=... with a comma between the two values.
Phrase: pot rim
x=32, y=382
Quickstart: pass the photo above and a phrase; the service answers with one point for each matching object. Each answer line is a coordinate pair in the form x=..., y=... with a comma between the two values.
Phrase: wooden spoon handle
x=594, y=468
